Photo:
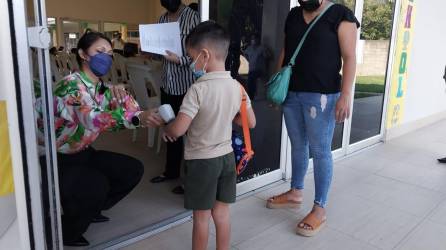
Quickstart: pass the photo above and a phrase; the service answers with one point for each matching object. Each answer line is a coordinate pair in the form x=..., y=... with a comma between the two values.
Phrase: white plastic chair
x=112, y=75
x=121, y=65
x=72, y=63
x=62, y=60
x=55, y=69
x=141, y=78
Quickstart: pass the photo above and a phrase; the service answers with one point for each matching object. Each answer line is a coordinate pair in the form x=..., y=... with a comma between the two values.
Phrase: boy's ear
x=207, y=54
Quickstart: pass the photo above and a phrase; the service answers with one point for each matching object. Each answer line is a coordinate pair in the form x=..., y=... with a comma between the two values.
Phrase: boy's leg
x=220, y=214
x=226, y=193
x=200, y=232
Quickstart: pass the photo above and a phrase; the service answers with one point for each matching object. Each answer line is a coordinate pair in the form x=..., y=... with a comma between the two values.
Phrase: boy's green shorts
x=208, y=180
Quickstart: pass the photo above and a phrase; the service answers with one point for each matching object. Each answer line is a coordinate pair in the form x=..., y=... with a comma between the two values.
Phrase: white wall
x=130, y=11
x=425, y=100
x=426, y=94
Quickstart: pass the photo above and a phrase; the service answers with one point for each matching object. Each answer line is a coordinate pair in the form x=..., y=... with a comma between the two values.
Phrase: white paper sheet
x=157, y=38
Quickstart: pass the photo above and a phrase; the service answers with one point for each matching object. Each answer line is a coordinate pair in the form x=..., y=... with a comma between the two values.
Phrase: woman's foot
x=161, y=178
x=290, y=199
x=312, y=223
x=100, y=218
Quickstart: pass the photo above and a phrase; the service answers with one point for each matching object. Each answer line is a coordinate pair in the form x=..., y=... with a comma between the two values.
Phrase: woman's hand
x=167, y=138
x=172, y=57
x=343, y=108
x=151, y=118
x=118, y=93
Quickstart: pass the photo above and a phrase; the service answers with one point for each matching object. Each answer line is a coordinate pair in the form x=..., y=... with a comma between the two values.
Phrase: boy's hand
x=151, y=118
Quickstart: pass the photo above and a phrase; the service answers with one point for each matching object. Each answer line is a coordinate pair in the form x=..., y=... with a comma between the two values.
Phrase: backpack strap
x=245, y=125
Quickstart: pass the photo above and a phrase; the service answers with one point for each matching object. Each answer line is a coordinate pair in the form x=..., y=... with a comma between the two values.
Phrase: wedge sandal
x=315, y=225
x=281, y=201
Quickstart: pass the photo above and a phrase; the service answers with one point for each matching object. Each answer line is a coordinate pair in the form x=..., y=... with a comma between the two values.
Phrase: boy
x=208, y=110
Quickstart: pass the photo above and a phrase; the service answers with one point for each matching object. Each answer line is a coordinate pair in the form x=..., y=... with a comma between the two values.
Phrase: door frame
x=379, y=138
x=25, y=79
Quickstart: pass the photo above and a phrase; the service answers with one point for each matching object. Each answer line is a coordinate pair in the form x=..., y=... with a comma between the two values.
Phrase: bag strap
x=293, y=59
x=245, y=125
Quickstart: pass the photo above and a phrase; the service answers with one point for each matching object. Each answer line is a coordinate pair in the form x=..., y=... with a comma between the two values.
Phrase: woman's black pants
x=92, y=181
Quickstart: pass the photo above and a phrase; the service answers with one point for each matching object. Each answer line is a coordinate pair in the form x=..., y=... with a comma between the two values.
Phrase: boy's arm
x=251, y=118
x=188, y=111
x=179, y=126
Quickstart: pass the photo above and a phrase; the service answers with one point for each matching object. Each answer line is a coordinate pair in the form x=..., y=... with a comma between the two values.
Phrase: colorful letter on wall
x=6, y=178
x=399, y=75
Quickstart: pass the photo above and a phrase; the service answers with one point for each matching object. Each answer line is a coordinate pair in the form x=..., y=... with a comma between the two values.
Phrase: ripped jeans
x=310, y=121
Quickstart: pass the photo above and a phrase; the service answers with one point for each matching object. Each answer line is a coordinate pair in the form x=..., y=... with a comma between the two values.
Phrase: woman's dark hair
x=86, y=41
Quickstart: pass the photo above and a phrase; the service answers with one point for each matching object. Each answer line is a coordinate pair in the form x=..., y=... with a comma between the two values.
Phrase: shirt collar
x=84, y=78
x=215, y=75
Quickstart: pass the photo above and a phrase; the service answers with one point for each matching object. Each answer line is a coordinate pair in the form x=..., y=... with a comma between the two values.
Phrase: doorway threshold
x=144, y=233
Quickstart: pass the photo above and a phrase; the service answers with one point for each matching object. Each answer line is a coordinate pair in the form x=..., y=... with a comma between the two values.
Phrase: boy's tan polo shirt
x=212, y=102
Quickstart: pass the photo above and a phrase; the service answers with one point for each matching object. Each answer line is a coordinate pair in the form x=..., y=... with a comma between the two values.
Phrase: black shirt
x=318, y=64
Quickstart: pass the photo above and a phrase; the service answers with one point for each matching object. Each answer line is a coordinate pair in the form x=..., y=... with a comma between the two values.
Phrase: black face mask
x=310, y=5
x=171, y=5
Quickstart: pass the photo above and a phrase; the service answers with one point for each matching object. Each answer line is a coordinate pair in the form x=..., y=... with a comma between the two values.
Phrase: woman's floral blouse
x=82, y=110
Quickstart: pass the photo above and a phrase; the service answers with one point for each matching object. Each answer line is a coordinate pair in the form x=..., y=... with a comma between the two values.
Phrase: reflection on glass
x=337, y=136
x=339, y=129
x=249, y=61
x=371, y=70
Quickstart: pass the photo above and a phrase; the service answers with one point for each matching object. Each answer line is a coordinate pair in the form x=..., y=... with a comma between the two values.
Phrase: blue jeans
x=310, y=120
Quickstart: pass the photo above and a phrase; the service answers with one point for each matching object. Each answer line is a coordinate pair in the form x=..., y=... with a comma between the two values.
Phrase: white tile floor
x=392, y=196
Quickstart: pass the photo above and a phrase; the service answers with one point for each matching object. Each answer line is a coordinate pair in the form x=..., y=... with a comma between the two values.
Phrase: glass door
x=340, y=130
x=35, y=60
x=373, y=50
x=255, y=24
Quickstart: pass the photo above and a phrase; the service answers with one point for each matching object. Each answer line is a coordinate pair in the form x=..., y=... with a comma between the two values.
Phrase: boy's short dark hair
x=209, y=34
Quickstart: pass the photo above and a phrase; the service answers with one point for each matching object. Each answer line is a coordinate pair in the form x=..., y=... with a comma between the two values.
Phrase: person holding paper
x=176, y=80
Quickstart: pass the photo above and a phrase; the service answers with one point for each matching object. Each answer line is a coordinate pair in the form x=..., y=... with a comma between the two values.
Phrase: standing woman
x=318, y=97
x=176, y=79
x=90, y=180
